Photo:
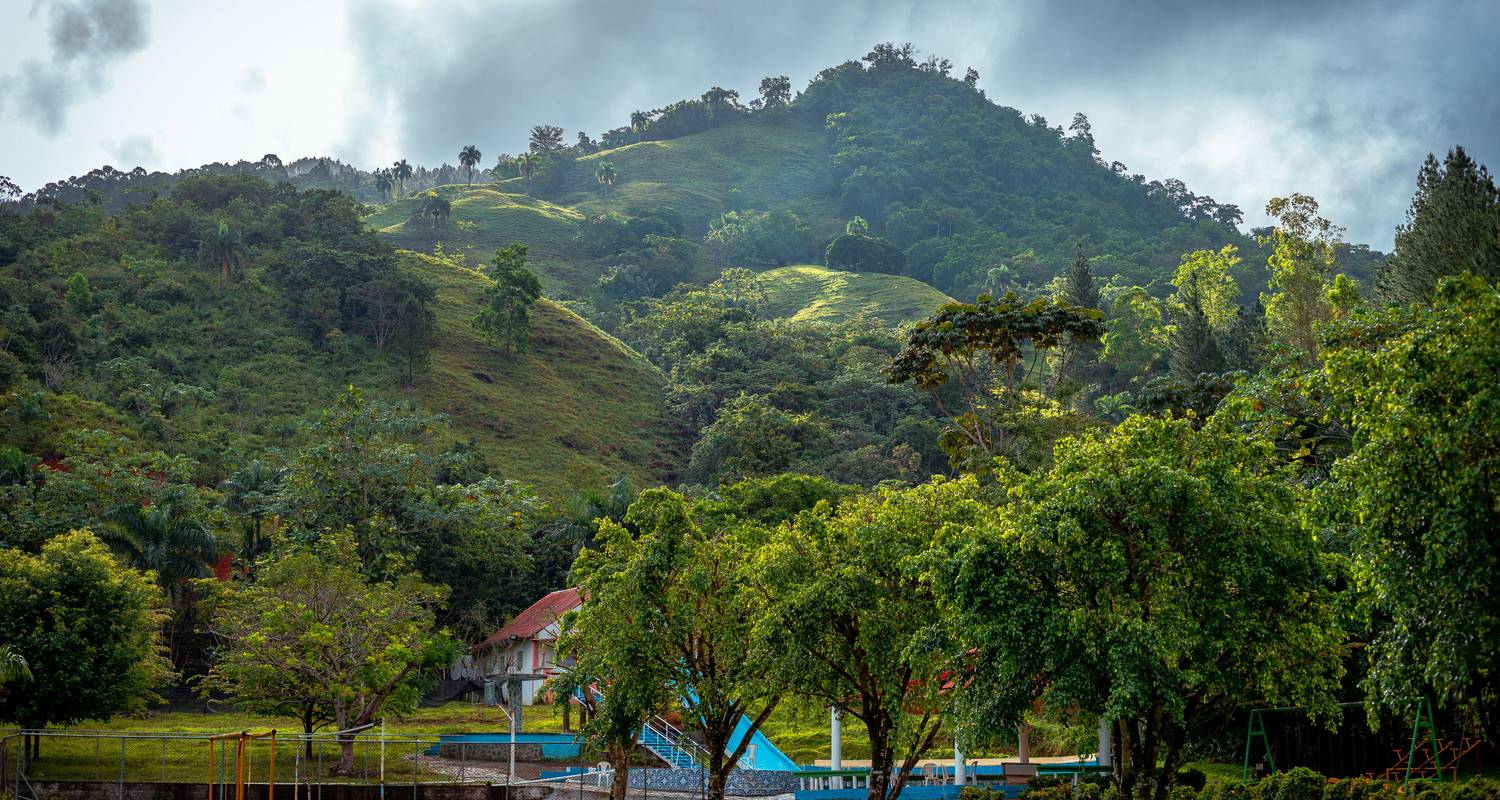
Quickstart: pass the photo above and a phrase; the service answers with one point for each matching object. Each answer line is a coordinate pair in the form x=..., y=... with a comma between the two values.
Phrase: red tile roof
x=530, y=622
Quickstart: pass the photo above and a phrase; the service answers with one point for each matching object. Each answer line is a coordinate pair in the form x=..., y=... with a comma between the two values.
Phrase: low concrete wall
x=104, y=790
x=741, y=783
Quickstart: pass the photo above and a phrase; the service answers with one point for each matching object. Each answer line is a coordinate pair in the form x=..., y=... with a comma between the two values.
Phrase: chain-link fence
x=285, y=760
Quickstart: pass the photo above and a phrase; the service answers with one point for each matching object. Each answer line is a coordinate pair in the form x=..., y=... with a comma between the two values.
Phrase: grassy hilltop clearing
x=808, y=293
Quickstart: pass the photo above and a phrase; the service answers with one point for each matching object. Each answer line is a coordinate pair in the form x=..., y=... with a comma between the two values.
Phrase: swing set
x=1426, y=755
x=228, y=774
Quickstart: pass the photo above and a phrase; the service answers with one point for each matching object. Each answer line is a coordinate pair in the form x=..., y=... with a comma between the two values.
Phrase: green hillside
x=806, y=293
x=578, y=409
x=771, y=166
x=483, y=220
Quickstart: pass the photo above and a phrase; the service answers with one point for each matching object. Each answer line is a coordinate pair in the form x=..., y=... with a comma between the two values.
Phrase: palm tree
x=223, y=248
x=160, y=538
x=435, y=208
x=13, y=666
x=528, y=167
x=638, y=120
x=251, y=491
x=400, y=171
x=384, y=183
x=469, y=157
x=605, y=175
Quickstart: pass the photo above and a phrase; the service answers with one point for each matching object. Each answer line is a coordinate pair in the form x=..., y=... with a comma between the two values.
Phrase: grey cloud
x=134, y=151
x=1339, y=99
x=86, y=37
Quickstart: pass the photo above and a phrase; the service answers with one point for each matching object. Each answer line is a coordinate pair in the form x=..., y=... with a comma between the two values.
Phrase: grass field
x=694, y=174
x=808, y=293
x=578, y=409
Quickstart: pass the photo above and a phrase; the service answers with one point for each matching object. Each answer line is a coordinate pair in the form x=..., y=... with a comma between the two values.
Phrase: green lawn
x=807, y=293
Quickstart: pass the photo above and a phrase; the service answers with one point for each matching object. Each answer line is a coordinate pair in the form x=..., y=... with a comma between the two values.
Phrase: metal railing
x=301, y=763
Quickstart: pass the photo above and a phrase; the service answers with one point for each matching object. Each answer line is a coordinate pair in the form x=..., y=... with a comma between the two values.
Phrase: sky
x=1243, y=101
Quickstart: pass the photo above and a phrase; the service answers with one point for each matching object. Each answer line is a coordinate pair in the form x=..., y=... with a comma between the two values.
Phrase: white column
x=958, y=765
x=836, y=733
x=1106, y=745
x=1023, y=744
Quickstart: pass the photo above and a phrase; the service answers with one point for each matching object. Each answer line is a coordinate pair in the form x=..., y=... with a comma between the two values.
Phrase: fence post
x=414, y=741
x=163, y=759
x=122, y=768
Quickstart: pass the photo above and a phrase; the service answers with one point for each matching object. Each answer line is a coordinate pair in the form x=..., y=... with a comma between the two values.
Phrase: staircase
x=665, y=741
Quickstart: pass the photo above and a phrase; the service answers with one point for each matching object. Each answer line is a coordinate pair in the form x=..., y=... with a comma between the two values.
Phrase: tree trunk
x=307, y=729
x=880, y=755
x=346, y=755
x=619, y=761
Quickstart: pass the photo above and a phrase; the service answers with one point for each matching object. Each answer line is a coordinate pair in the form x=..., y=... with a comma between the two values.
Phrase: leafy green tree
x=1137, y=335
x=315, y=638
x=469, y=157
x=1453, y=226
x=366, y=468
x=164, y=541
x=89, y=628
x=79, y=296
x=677, y=590
x=546, y=139
x=992, y=354
x=775, y=92
x=605, y=176
x=1195, y=349
x=1154, y=577
x=506, y=314
x=1209, y=276
x=400, y=171
x=1415, y=390
x=613, y=677
x=223, y=249
x=850, y=620
x=1301, y=263
x=751, y=438
x=857, y=252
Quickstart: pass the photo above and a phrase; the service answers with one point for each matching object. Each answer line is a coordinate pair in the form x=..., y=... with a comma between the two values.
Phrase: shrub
x=1192, y=778
x=1059, y=792
x=1182, y=792
x=1477, y=789
x=1219, y=789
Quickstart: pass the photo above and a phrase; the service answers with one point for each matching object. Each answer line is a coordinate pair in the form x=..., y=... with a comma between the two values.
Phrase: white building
x=527, y=645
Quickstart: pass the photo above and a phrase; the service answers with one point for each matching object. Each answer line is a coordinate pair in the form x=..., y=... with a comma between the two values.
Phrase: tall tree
x=605, y=175
x=1156, y=576
x=677, y=590
x=850, y=620
x=1079, y=290
x=251, y=492
x=775, y=92
x=400, y=171
x=384, y=182
x=89, y=628
x=1453, y=226
x=224, y=249
x=1416, y=390
x=546, y=139
x=1211, y=274
x=1301, y=262
x=315, y=638
x=469, y=158
x=1005, y=358
x=1195, y=349
x=505, y=317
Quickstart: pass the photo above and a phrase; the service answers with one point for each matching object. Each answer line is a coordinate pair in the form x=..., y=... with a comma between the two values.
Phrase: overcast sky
x=1243, y=101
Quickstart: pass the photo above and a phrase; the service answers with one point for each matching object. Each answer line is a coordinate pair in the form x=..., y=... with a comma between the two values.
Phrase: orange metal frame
x=243, y=743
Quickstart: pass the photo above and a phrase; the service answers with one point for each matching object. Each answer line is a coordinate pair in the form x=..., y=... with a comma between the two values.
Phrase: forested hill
x=213, y=323
x=977, y=196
